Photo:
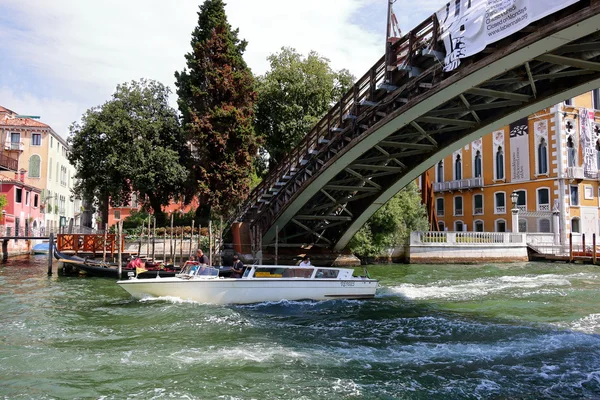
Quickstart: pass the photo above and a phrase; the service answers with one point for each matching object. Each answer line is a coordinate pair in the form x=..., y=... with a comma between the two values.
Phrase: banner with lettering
x=467, y=26
x=519, y=150
x=586, y=140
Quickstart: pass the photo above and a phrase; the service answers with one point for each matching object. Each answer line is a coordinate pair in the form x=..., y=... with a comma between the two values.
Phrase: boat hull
x=247, y=291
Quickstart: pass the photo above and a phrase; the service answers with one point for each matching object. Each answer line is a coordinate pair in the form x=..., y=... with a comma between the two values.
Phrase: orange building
x=540, y=173
x=116, y=214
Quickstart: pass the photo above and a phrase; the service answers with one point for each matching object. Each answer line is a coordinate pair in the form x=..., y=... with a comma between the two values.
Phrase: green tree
x=293, y=96
x=216, y=100
x=131, y=144
x=391, y=225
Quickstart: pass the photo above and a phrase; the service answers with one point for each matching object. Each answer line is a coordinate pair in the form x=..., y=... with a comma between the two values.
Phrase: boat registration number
x=345, y=284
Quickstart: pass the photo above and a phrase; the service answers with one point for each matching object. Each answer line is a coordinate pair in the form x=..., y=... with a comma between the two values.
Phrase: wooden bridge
x=406, y=113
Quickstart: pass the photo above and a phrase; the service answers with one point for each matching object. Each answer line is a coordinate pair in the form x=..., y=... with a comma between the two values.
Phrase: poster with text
x=519, y=150
x=467, y=26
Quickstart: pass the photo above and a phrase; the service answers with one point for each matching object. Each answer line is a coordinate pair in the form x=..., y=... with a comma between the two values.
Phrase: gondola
x=109, y=270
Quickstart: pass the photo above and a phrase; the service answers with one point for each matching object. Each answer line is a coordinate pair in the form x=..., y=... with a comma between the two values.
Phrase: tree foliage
x=391, y=225
x=293, y=96
x=130, y=144
x=216, y=100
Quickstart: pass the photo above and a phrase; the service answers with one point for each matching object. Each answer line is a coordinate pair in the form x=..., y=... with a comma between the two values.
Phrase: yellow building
x=548, y=164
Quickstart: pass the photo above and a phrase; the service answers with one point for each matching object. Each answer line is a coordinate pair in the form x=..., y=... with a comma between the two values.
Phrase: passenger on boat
x=237, y=269
x=305, y=262
x=200, y=257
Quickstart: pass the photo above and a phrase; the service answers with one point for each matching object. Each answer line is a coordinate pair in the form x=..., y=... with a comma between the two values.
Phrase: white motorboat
x=260, y=283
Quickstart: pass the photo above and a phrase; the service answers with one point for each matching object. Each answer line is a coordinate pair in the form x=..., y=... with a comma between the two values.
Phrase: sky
x=59, y=58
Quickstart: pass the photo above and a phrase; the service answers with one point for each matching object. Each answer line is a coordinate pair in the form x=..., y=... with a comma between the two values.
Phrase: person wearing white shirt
x=305, y=262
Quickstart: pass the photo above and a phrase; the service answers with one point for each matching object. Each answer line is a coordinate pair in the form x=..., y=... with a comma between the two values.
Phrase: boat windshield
x=195, y=269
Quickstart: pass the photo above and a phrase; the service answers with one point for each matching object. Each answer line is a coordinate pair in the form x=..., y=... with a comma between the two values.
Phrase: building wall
x=40, y=153
x=557, y=127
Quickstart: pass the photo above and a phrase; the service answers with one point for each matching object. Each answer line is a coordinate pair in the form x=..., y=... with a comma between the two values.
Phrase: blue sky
x=62, y=57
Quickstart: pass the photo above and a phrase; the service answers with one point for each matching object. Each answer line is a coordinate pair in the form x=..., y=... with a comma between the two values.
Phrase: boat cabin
x=283, y=271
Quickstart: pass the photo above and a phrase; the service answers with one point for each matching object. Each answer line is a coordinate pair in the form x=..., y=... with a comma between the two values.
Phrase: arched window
x=440, y=171
x=458, y=168
x=441, y=226
x=478, y=204
x=500, y=163
x=439, y=205
x=522, y=225
x=543, y=157
x=500, y=225
x=575, y=225
x=458, y=205
x=34, y=166
x=543, y=199
x=500, y=199
x=544, y=225
x=459, y=226
x=478, y=164
x=478, y=226
x=570, y=152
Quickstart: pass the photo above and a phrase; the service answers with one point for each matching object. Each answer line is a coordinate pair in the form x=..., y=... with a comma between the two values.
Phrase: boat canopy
x=312, y=272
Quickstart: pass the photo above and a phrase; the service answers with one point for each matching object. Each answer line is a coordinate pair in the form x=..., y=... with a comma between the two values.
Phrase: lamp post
x=514, y=198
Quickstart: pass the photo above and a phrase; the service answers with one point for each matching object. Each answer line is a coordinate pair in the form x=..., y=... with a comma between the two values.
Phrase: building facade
x=38, y=187
x=539, y=174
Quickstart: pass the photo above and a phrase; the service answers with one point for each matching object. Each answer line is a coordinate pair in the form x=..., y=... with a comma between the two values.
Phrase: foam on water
x=482, y=287
x=588, y=324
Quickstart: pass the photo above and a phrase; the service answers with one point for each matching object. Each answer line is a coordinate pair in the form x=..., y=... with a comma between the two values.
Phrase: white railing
x=458, y=184
x=575, y=173
x=467, y=238
x=543, y=207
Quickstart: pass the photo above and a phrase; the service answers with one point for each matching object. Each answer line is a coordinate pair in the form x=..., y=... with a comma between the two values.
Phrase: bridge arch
x=378, y=139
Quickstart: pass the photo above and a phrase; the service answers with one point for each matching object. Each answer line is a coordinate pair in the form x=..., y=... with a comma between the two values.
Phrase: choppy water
x=478, y=331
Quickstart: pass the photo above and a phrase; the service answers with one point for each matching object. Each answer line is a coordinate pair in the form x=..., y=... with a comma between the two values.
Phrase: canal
x=527, y=330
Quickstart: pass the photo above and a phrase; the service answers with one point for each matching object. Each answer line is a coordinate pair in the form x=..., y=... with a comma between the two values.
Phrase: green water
x=433, y=332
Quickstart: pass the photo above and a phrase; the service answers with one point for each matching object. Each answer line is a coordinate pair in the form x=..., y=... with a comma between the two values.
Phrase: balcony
x=8, y=163
x=543, y=207
x=14, y=146
x=462, y=184
x=575, y=173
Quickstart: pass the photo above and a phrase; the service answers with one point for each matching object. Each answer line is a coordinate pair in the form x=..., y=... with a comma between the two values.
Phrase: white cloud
x=83, y=49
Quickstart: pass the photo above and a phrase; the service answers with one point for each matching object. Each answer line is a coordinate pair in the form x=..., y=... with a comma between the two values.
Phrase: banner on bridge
x=468, y=26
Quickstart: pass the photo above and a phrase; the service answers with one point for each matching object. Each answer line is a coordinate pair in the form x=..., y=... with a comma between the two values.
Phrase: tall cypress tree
x=216, y=100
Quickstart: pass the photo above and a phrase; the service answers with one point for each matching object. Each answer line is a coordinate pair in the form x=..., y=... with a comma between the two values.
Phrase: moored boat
x=41, y=248
x=260, y=283
x=110, y=270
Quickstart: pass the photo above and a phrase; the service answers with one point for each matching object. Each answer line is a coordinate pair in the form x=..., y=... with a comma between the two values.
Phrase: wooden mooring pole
x=570, y=247
x=594, y=248
x=5, y=250
x=153, y=236
x=120, y=241
x=50, y=252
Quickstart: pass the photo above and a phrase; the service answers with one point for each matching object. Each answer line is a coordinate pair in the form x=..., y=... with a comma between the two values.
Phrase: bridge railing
x=331, y=128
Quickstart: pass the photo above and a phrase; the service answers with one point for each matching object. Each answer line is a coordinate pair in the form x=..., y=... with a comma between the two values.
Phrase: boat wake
x=461, y=290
